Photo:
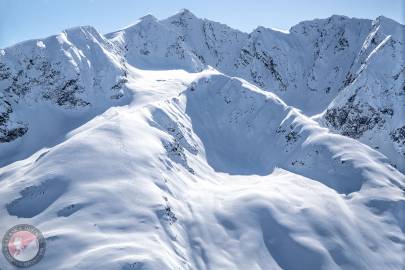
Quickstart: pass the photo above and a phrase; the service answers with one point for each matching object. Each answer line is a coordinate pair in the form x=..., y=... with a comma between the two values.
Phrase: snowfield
x=186, y=144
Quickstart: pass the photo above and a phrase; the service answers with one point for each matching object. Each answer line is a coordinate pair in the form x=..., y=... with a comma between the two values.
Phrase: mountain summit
x=185, y=144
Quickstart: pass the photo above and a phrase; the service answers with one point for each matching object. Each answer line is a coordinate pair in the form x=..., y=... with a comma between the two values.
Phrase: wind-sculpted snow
x=36, y=199
x=308, y=67
x=186, y=144
x=338, y=59
x=247, y=131
x=252, y=184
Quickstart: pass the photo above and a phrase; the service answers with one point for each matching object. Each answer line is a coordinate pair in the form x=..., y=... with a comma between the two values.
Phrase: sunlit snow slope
x=143, y=150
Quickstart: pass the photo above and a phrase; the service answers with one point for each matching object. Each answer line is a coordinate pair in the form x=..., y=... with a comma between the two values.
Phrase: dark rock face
x=9, y=131
x=19, y=82
x=398, y=137
x=8, y=135
x=290, y=135
x=66, y=94
x=250, y=53
x=55, y=86
x=4, y=116
x=353, y=119
x=32, y=73
x=47, y=83
x=178, y=143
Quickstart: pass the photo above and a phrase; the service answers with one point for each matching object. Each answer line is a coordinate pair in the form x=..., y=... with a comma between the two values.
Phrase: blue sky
x=27, y=19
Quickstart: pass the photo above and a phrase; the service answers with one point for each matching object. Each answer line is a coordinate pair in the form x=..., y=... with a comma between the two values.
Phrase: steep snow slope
x=308, y=67
x=310, y=62
x=73, y=76
x=372, y=106
x=150, y=45
x=194, y=179
x=130, y=152
x=318, y=61
x=270, y=135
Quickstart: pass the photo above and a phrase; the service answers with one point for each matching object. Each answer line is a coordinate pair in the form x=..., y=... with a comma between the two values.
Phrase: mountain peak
x=181, y=17
x=83, y=31
x=336, y=17
x=389, y=26
x=78, y=29
x=185, y=12
x=256, y=123
x=384, y=20
x=148, y=17
x=144, y=20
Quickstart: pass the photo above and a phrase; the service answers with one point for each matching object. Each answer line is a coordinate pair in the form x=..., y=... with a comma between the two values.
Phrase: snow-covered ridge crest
x=185, y=144
x=308, y=67
x=219, y=175
x=73, y=76
x=316, y=67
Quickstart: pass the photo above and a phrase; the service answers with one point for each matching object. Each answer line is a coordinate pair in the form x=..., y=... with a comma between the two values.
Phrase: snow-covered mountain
x=315, y=63
x=185, y=144
x=371, y=107
x=73, y=76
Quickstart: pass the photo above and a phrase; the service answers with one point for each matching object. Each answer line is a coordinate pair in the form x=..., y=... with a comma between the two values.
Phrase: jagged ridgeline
x=185, y=144
x=351, y=70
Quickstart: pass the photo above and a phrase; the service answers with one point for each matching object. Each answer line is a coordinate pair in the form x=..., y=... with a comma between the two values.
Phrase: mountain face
x=185, y=144
x=316, y=67
x=372, y=107
x=76, y=71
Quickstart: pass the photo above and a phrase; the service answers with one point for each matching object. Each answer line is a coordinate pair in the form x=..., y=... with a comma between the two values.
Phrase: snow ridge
x=185, y=144
x=316, y=62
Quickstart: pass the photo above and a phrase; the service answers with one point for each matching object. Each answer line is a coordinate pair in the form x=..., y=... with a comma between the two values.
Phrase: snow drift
x=186, y=144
